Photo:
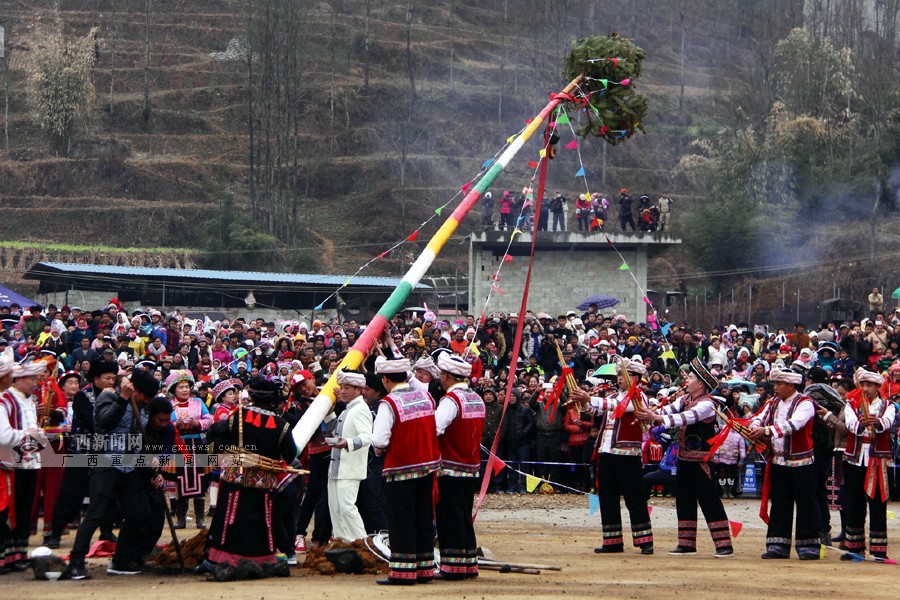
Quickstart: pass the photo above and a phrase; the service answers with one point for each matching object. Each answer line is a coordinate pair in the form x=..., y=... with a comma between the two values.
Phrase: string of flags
x=412, y=237
x=532, y=482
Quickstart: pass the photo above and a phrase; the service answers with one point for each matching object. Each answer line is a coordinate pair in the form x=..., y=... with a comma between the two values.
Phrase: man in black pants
x=412, y=456
x=619, y=466
x=460, y=423
x=315, y=500
x=370, y=500
x=114, y=480
x=694, y=414
x=625, y=215
x=76, y=476
x=791, y=473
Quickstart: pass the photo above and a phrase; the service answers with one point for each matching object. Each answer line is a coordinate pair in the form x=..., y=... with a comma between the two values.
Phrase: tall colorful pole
x=320, y=407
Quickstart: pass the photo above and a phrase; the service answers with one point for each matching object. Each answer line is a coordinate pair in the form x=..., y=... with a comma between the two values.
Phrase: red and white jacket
x=460, y=423
x=405, y=426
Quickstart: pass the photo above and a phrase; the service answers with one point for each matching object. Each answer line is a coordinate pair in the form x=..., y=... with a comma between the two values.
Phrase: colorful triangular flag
x=487, y=163
x=473, y=348
x=510, y=139
x=593, y=503
x=531, y=483
x=346, y=283
x=516, y=232
x=542, y=153
x=532, y=164
x=413, y=236
x=383, y=254
x=498, y=466
x=573, y=145
x=562, y=118
x=623, y=266
x=605, y=82
x=647, y=300
x=498, y=290
x=580, y=172
x=735, y=528
x=319, y=306
x=507, y=259
x=438, y=210
x=465, y=188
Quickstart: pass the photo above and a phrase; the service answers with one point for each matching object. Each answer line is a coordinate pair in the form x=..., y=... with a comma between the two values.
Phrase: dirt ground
x=538, y=529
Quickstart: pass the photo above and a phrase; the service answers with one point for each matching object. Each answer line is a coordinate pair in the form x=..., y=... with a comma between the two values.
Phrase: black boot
x=181, y=506
x=200, y=512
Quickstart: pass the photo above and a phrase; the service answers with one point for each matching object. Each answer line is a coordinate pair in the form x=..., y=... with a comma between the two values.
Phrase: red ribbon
x=486, y=480
x=619, y=412
x=764, y=497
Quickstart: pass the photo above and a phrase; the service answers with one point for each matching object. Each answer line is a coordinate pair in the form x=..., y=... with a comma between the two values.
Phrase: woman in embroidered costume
x=191, y=419
x=869, y=419
x=242, y=525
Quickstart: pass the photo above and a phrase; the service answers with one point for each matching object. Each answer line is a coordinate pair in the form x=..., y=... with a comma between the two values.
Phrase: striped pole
x=321, y=406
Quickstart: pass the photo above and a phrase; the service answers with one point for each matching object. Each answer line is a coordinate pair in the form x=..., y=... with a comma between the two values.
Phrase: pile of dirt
x=317, y=561
x=193, y=550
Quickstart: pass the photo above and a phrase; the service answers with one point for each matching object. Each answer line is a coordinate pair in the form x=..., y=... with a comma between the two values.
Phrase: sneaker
x=609, y=550
x=51, y=541
x=771, y=554
x=123, y=568
x=78, y=572
x=647, y=549
x=679, y=550
x=300, y=544
x=724, y=552
x=292, y=560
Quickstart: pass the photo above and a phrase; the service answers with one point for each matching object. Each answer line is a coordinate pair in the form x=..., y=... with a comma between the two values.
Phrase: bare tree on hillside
x=277, y=63
x=61, y=92
x=145, y=112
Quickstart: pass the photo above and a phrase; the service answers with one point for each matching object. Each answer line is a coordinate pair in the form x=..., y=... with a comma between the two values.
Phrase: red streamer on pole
x=519, y=328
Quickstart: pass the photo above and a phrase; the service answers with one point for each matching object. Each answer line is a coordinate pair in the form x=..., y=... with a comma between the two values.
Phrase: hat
x=29, y=368
x=785, y=376
x=101, y=367
x=454, y=365
x=301, y=376
x=426, y=363
x=264, y=392
x=345, y=377
x=223, y=386
x=66, y=376
x=383, y=365
x=571, y=313
x=635, y=366
x=7, y=361
x=702, y=372
x=145, y=383
x=176, y=377
x=869, y=376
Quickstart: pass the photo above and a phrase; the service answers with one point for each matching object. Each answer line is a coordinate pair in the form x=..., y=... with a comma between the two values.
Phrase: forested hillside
x=310, y=136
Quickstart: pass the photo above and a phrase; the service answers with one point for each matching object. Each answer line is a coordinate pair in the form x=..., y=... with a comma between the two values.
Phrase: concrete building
x=568, y=267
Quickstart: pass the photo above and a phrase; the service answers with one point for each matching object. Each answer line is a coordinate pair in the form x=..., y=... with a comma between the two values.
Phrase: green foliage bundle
x=610, y=65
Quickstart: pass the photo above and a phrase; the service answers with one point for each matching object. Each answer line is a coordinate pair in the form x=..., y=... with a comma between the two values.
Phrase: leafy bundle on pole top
x=610, y=65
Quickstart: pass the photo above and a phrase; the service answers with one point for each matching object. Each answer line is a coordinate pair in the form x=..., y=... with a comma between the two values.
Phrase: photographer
x=114, y=479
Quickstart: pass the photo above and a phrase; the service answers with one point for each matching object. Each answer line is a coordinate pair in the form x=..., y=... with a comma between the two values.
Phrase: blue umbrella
x=750, y=385
x=601, y=300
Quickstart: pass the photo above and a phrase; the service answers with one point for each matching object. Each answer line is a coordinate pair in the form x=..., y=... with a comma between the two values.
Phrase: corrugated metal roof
x=243, y=276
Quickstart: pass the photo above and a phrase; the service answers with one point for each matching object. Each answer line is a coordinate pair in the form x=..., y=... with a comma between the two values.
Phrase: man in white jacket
x=349, y=454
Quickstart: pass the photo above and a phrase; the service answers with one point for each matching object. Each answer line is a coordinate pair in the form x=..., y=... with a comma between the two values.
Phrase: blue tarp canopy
x=7, y=297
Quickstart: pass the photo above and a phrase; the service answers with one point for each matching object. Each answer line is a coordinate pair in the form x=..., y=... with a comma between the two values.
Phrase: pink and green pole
x=320, y=407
